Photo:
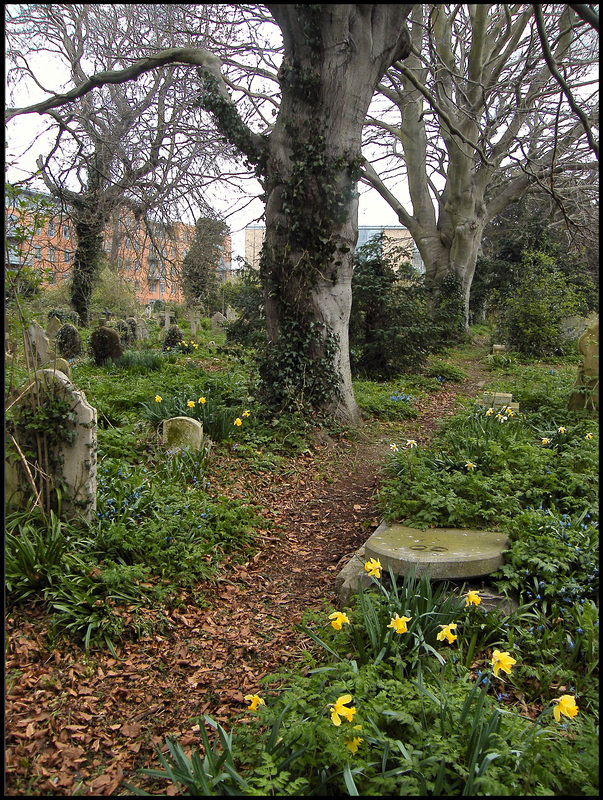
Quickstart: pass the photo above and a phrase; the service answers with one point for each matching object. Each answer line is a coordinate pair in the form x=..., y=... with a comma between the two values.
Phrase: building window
x=173, y=288
x=161, y=287
x=66, y=276
x=37, y=251
x=127, y=264
x=51, y=228
x=152, y=286
x=136, y=285
x=184, y=252
x=67, y=256
x=66, y=232
x=51, y=277
x=51, y=254
x=136, y=265
x=127, y=244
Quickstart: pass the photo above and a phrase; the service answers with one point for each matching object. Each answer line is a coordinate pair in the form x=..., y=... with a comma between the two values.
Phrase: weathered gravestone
x=53, y=327
x=73, y=457
x=39, y=350
x=586, y=388
x=194, y=319
x=442, y=553
x=217, y=322
x=181, y=432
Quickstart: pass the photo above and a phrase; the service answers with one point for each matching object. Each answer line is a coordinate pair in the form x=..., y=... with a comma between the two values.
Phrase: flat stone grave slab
x=450, y=553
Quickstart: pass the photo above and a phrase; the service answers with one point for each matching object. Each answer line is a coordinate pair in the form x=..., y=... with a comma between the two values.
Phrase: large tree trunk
x=334, y=57
x=88, y=229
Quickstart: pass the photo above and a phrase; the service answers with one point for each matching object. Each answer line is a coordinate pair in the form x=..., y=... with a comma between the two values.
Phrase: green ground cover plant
x=398, y=708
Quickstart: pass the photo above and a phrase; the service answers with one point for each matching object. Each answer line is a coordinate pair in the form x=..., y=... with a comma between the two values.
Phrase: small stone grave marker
x=497, y=400
x=181, y=432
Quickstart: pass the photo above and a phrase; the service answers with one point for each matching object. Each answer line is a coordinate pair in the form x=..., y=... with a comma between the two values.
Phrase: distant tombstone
x=53, y=327
x=231, y=314
x=217, y=321
x=142, y=332
x=166, y=319
x=498, y=348
x=194, y=319
x=39, y=350
x=181, y=432
x=107, y=314
x=75, y=460
x=586, y=388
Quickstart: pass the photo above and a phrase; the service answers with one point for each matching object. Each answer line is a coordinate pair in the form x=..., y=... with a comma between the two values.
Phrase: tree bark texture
x=334, y=56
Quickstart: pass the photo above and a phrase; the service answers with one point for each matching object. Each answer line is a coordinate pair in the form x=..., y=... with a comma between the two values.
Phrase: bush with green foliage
x=246, y=296
x=392, y=327
x=530, y=318
x=104, y=344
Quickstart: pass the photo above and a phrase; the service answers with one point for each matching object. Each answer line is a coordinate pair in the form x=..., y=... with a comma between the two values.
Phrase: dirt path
x=78, y=723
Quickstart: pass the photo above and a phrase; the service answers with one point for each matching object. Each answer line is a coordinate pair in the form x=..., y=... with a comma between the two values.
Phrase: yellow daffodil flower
x=158, y=398
x=352, y=744
x=545, y=440
x=561, y=429
x=588, y=436
x=338, y=620
x=502, y=660
x=470, y=465
x=446, y=633
x=566, y=705
x=501, y=418
x=202, y=401
x=373, y=567
x=489, y=412
x=191, y=404
x=254, y=701
x=246, y=413
x=238, y=422
x=340, y=709
x=472, y=598
x=399, y=624
x=411, y=443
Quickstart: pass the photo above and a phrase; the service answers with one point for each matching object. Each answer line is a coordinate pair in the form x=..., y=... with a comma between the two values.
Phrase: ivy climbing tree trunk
x=86, y=262
x=334, y=57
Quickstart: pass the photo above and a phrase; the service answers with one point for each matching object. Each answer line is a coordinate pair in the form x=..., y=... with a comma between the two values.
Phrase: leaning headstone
x=39, y=350
x=181, y=432
x=217, y=322
x=74, y=461
x=53, y=327
x=586, y=388
x=231, y=314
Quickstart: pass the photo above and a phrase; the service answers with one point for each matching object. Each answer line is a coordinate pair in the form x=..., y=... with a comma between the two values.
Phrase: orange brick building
x=148, y=257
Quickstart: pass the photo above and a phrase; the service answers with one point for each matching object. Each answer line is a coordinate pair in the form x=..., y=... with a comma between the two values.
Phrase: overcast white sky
x=373, y=210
